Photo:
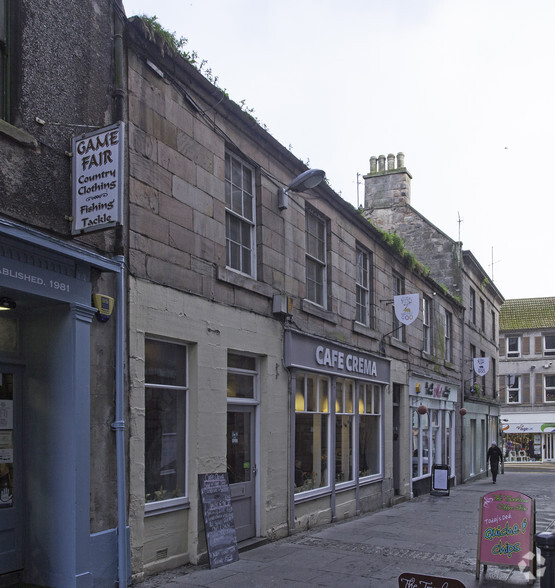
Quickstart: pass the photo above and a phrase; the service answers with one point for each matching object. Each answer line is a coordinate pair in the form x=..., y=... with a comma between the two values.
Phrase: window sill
x=165, y=506
x=399, y=344
x=369, y=332
x=311, y=308
x=312, y=494
x=243, y=281
x=18, y=135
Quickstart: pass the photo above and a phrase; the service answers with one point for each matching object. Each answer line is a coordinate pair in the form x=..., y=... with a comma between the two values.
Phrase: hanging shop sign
x=481, y=365
x=98, y=178
x=506, y=531
x=406, y=308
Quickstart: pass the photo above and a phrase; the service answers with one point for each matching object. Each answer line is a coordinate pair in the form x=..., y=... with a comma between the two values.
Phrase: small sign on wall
x=98, y=179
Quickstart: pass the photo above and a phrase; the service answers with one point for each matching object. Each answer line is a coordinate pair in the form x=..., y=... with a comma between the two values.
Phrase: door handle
x=254, y=470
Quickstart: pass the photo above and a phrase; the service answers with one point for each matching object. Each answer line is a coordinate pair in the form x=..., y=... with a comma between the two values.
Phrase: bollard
x=546, y=543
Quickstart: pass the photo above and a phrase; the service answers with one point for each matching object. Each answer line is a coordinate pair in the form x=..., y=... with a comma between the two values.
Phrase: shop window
x=369, y=444
x=241, y=376
x=165, y=420
x=316, y=254
x=344, y=430
x=311, y=432
x=513, y=346
x=240, y=220
x=420, y=444
x=549, y=345
x=513, y=389
x=363, y=259
x=549, y=388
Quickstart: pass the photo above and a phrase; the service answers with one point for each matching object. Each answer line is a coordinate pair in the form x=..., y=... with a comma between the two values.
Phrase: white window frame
x=447, y=337
x=547, y=388
x=376, y=394
x=161, y=506
x=548, y=351
x=316, y=259
x=512, y=388
x=244, y=215
x=427, y=324
x=518, y=342
x=363, y=276
x=254, y=373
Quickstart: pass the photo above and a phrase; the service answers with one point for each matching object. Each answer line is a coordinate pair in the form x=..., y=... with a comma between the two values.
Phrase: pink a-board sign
x=506, y=530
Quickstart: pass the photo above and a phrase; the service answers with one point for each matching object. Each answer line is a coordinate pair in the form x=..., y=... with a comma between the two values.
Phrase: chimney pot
x=391, y=162
x=381, y=163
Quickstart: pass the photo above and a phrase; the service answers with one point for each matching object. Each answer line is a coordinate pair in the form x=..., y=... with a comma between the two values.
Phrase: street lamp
x=308, y=179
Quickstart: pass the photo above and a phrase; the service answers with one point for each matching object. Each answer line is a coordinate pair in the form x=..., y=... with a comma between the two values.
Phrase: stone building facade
x=59, y=375
x=527, y=379
x=388, y=205
x=265, y=321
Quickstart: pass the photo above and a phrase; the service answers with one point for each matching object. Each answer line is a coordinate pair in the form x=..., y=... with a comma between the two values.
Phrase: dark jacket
x=494, y=455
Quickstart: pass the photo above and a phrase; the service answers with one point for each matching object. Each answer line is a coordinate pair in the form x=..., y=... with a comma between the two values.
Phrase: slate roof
x=527, y=313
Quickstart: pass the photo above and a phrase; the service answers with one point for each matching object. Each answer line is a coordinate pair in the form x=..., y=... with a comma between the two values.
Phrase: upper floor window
x=472, y=306
x=549, y=388
x=513, y=389
x=513, y=346
x=427, y=323
x=549, y=345
x=316, y=253
x=362, y=286
x=493, y=326
x=447, y=338
x=482, y=314
x=240, y=223
x=4, y=60
x=165, y=420
x=398, y=288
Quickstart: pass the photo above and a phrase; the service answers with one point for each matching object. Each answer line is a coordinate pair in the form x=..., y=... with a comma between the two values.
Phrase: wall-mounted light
x=7, y=303
x=308, y=179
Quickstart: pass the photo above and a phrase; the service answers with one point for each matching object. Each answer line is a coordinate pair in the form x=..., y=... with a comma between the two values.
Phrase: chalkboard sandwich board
x=219, y=526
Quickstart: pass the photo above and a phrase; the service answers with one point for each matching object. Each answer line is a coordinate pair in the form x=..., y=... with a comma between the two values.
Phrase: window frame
x=448, y=336
x=548, y=351
x=363, y=282
x=548, y=389
x=397, y=288
x=516, y=353
x=517, y=388
x=316, y=260
x=246, y=224
x=168, y=504
x=427, y=324
x=472, y=306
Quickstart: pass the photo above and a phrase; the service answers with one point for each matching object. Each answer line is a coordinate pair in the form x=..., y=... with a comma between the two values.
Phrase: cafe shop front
x=339, y=413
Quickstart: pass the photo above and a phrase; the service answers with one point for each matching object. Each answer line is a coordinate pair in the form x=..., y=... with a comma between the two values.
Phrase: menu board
x=219, y=526
x=506, y=530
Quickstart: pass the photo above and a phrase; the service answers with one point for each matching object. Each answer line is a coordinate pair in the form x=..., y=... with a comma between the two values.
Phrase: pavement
x=429, y=535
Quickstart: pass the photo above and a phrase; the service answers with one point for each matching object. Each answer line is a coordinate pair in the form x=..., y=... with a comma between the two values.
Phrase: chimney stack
x=384, y=188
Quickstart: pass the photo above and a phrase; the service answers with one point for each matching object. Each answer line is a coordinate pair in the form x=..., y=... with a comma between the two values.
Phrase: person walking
x=494, y=456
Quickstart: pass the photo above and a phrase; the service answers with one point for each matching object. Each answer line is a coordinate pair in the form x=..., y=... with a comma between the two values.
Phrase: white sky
x=464, y=88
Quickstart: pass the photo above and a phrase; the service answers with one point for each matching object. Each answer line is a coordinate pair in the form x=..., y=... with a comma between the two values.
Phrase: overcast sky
x=464, y=88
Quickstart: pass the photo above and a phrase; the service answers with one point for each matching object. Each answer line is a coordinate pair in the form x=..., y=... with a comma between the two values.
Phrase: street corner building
x=181, y=296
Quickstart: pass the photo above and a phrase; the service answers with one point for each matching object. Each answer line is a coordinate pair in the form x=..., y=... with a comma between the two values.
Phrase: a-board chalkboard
x=506, y=531
x=219, y=525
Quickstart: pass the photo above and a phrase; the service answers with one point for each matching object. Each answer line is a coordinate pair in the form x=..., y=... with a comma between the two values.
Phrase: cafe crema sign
x=97, y=182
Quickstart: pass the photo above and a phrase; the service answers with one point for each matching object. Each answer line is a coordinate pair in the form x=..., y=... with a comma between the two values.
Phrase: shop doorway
x=241, y=468
x=11, y=463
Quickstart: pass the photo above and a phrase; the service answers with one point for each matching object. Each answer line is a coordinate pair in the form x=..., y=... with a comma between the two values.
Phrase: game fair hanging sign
x=98, y=178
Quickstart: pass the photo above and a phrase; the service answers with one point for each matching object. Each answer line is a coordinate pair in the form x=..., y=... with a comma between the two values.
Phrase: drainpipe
x=119, y=426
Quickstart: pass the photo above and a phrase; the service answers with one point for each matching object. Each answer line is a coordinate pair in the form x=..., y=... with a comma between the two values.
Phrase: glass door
x=11, y=553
